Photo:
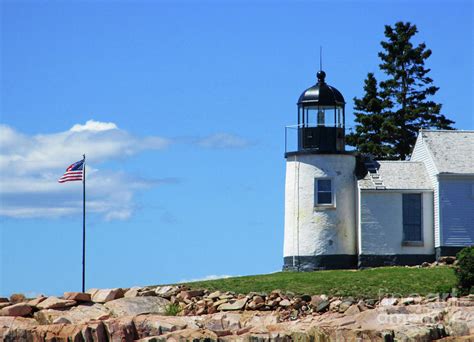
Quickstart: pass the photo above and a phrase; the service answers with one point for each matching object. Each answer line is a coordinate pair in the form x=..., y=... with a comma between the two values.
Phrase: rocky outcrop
x=225, y=316
x=137, y=306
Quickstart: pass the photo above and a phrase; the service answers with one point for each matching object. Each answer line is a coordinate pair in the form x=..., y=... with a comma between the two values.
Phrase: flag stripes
x=74, y=172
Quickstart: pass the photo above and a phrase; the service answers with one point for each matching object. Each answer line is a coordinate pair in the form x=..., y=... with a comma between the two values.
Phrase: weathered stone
x=334, y=305
x=285, y=303
x=121, y=329
x=201, y=311
x=94, y=331
x=407, y=301
x=132, y=292
x=226, y=296
x=188, y=294
x=55, y=303
x=2, y=305
x=255, y=304
x=106, y=295
x=36, y=301
x=150, y=325
x=315, y=300
x=61, y=320
x=20, y=309
x=214, y=295
x=323, y=306
x=370, y=303
x=448, y=260
x=352, y=310
x=77, y=315
x=219, y=302
x=389, y=301
x=232, y=306
x=57, y=332
x=137, y=305
x=77, y=296
x=4, y=300
x=146, y=293
x=345, y=305
x=167, y=291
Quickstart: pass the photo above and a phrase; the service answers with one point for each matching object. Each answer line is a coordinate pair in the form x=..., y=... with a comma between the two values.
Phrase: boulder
x=55, y=303
x=323, y=306
x=150, y=325
x=219, y=302
x=188, y=294
x=106, y=295
x=121, y=329
x=94, y=331
x=61, y=320
x=137, y=306
x=167, y=291
x=20, y=309
x=214, y=295
x=407, y=301
x=132, y=292
x=345, y=305
x=146, y=293
x=36, y=301
x=352, y=310
x=2, y=305
x=77, y=296
x=448, y=260
x=389, y=301
x=334, y=304
x=233, y=306
x=285, y=303
x=4, y=300
x=77, y=315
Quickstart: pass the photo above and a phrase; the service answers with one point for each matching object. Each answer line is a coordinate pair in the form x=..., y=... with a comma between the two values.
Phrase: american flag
x=74, y=172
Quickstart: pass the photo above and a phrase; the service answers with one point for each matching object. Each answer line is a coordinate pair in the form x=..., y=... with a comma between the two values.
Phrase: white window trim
x=333, y=194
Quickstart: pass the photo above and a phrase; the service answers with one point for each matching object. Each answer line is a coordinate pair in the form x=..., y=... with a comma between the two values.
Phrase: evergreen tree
x=405, y=93
x=371, y=129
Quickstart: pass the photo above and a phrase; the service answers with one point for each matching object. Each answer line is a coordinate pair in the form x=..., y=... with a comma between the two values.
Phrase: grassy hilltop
x=369, y=283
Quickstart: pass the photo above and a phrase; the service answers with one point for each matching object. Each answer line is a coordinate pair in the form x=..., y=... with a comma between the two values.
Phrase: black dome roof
x=321, y=94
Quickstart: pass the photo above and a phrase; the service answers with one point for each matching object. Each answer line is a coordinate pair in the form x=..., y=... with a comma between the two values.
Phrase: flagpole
x=84, y=224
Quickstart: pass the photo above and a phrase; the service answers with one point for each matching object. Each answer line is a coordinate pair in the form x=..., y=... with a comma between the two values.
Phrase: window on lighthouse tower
x=323, y=191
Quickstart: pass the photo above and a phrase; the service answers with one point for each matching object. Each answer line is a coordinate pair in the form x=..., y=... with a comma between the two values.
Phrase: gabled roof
x=397, y=175
x=452, y=151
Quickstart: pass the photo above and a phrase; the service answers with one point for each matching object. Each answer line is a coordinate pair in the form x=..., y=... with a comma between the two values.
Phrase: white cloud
x=31, y=165
x=23, y=154
x=92, y=125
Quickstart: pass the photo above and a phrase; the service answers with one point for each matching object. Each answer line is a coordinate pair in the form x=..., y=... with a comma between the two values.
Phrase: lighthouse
x=320, y=196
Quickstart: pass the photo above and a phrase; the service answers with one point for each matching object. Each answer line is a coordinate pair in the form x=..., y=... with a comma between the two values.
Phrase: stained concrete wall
x=315, y=231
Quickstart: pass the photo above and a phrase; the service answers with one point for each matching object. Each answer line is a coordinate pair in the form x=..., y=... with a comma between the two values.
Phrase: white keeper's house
x=344, y=210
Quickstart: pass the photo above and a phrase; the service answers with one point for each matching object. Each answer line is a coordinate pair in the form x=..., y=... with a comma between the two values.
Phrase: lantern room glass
x=327, y=116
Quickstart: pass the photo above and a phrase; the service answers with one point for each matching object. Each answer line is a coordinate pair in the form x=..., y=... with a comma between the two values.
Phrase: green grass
x=172, y=309
x=369, y=283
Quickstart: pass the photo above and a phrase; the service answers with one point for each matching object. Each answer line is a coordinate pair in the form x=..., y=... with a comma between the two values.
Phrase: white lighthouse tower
x=320, y=200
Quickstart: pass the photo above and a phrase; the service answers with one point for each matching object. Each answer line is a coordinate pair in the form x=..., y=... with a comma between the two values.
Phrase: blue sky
x=181, y=108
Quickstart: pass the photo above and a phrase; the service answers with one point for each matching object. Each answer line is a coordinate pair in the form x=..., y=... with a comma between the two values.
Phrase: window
x=412, y=218
x=323, y=192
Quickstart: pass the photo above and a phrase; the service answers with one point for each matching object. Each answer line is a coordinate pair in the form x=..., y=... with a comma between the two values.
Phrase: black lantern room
x=321, y=118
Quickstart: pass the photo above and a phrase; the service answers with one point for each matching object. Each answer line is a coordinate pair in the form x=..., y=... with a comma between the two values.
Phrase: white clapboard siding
x=422, y=153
